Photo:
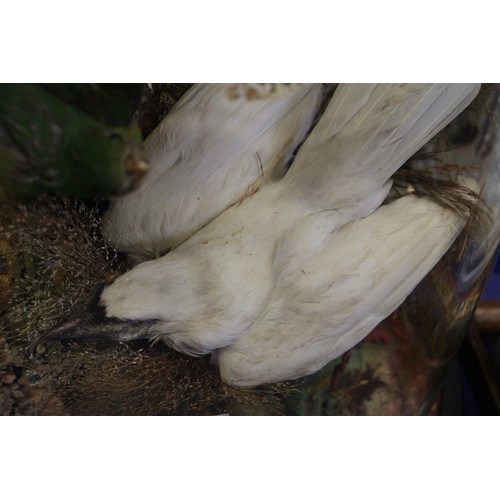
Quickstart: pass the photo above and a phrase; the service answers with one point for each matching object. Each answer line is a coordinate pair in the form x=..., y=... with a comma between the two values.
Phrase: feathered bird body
x=363, y=272
x=295, y=275
x=216, y=146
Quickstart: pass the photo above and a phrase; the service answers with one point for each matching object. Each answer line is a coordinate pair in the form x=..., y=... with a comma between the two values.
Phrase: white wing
x=218, y=143
x=366, y=133
x=337, y=297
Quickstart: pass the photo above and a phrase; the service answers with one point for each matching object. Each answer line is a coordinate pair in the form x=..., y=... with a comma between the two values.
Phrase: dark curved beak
x=108, y=329
x=90, y=322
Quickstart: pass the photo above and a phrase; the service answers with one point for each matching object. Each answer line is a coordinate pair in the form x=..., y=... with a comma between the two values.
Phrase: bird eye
x=116, y=136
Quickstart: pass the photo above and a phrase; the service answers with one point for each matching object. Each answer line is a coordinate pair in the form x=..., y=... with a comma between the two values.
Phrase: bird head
x=155, y=296
x=118, y=161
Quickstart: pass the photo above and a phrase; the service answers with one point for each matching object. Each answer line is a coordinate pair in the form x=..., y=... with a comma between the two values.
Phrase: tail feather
x=369, y=131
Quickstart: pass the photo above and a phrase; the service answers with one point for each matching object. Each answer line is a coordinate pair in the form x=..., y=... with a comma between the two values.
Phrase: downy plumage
x=298, y=273
x=216, y=146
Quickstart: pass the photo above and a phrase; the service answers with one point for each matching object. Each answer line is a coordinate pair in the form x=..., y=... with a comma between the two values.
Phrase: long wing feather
x=366, y=133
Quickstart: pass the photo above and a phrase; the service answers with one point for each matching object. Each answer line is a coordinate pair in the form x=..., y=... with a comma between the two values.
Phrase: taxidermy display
x=272, y=260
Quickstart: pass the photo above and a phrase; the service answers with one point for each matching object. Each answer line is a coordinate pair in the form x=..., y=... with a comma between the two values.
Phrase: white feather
x=363, y=272
x=216, y=146
x=367, y=132
x=237, y=274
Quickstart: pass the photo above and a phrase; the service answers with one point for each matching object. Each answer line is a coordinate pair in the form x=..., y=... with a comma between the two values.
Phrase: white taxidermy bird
x=218, y=144
x=292, y=277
